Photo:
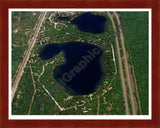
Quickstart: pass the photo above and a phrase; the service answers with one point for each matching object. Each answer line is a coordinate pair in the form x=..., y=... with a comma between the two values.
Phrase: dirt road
x=126, y=65
x=120, y=67
x=27, y=54
x=124, y=70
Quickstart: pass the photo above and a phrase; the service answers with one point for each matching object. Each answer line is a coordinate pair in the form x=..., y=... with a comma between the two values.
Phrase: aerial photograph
x=73, y=62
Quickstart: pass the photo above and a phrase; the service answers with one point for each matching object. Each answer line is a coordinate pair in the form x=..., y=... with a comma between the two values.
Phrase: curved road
x=32, y=42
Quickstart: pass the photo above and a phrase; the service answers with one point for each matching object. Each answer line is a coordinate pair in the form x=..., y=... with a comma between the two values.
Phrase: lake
x=88, y=22
x=82, y=71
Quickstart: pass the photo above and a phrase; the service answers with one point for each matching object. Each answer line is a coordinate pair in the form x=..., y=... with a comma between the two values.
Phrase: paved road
x=120, y=67
x=126, y=66
x=27, y=54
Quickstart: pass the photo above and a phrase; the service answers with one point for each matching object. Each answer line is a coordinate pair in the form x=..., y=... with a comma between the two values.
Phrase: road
x=27, y=54
x=120, y=67
x=126, y=65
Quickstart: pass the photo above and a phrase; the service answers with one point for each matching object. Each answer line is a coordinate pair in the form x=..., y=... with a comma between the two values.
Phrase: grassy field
x=109, y=96
x=22, y=28
x=135, y=30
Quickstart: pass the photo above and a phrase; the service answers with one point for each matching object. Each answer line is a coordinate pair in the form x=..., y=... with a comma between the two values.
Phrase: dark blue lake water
x=82, y=71
x=88, y=22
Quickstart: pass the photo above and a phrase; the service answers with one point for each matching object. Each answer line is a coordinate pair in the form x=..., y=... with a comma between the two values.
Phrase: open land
x=37, y=93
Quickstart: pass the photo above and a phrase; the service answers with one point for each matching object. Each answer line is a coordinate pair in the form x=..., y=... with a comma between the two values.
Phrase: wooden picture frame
x=4, y=39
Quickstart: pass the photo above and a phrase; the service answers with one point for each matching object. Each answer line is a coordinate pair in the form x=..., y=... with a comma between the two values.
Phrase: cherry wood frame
x=6, y=4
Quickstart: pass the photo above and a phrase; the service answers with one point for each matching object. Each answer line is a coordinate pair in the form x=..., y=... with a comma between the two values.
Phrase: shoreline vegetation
x=39, y=94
